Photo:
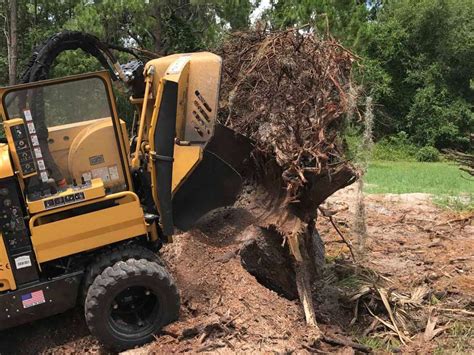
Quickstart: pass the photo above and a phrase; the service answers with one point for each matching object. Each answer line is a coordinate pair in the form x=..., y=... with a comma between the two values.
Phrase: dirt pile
x=224, y=308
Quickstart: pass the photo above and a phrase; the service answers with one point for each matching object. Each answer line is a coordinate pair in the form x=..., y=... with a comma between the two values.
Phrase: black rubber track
x=114, y=280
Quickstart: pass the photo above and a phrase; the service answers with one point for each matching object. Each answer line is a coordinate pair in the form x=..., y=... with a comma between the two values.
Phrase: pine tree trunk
x=157, y=43
x=12, y=42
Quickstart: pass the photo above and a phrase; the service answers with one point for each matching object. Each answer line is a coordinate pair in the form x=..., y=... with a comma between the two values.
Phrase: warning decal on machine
x=113, y=172
x=28, y=116
x=34, y=140
x=178, y=65
x=22, y=262
x=41, y=165
x=96, y=159
x=44, y=176
x=31, y=127
x=87, y=176
x=38, y=153
x=32, y=299
x=102, y=173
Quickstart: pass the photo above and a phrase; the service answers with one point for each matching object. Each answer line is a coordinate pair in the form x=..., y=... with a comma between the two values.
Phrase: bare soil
x=224, y=309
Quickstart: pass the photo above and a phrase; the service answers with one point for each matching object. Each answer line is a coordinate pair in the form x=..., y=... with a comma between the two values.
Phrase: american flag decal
x=32, y=299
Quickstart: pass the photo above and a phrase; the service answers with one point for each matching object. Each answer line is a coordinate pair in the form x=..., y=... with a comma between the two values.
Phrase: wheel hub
x=134, y=309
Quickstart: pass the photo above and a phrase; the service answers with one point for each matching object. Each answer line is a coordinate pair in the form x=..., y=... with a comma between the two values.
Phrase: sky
x=264, y=4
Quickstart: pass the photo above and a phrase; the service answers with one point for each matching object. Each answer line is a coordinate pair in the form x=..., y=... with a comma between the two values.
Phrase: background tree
x=417, y=55
x=11, y=35
x=345, y=19
x=419, y=69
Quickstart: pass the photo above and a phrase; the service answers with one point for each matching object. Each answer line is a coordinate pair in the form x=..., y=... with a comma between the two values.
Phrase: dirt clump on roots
x=290, y=91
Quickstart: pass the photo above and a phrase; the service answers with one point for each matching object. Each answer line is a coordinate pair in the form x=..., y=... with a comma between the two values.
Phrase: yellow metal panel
x=95, y=190
x=185, y=159
x=97, y=141
x=88, y=231
x=6, y=169
x=7, y=281
x=143, y=108
x=153, y=124
x=126, y=139
x=61, y=136
x=122, y=197
x=178, y=72
x=202, y=90
x=60, y=139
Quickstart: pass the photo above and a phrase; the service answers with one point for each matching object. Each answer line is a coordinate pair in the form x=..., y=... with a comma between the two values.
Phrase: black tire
x=108, y=258
x=130, y=302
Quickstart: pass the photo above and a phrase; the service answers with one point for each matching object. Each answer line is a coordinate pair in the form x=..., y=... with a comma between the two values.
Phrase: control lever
x=53, y=188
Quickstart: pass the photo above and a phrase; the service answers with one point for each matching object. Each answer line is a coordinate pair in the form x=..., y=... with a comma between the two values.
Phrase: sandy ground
x=411, y=240
x=224, y=309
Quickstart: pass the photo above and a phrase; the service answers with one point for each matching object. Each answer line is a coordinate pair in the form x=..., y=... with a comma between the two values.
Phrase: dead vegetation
x=395, y=313
x=290, y=92
x=465, y=160
x=414, y=289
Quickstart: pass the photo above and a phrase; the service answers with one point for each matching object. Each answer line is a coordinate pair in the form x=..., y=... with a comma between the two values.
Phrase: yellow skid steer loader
x=84, y=207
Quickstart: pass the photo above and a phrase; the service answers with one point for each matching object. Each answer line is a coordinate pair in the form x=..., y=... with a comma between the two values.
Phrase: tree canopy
x=419, y=69
x=416, y=55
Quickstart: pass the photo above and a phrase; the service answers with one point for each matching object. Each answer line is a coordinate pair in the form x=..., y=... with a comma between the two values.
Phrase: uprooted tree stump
x=290, y=93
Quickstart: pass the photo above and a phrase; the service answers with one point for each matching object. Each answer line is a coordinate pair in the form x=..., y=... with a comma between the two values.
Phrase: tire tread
x=118, y=273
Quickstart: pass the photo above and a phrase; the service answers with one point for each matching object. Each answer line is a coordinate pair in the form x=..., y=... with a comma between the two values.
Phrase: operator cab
x=66, y=141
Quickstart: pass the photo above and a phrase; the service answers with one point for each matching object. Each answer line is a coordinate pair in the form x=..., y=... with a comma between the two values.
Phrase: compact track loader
x=84, y=206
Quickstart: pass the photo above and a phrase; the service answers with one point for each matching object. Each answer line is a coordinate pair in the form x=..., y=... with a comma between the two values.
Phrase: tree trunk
x=12, y=41
x=157, y=43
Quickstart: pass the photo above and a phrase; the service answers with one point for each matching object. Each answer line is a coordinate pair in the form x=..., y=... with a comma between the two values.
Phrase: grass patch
x=460, y=203
x=379, y=344
x=458, y=339
x=351, y=282
x=451, y=187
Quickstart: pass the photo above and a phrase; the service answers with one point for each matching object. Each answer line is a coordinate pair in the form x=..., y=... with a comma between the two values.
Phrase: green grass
x=379, y=345
x=457, y=340
x=450, y=187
